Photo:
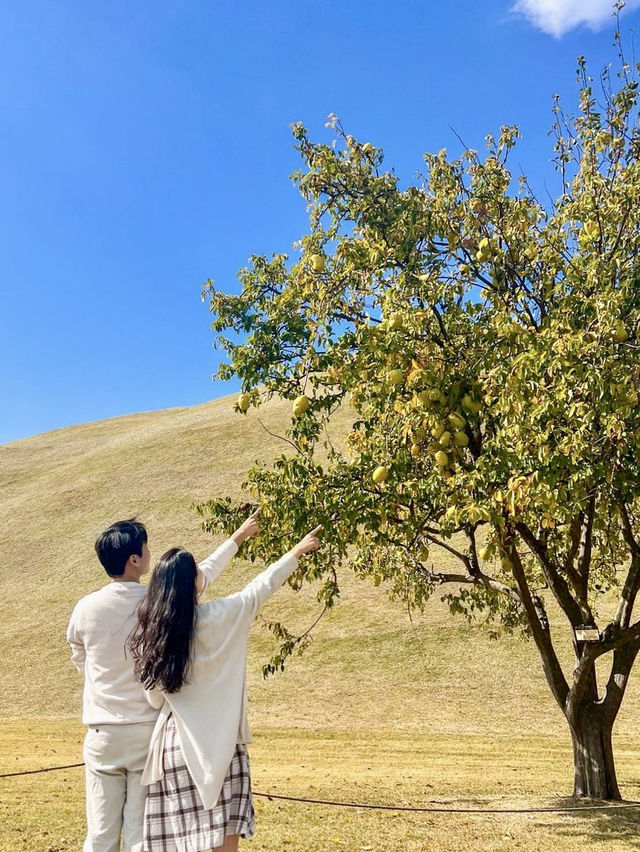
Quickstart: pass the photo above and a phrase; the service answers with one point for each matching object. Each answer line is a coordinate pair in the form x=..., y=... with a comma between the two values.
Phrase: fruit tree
x=489, y=346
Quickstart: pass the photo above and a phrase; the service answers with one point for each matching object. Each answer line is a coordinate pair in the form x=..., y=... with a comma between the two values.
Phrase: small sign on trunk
x=587, y=634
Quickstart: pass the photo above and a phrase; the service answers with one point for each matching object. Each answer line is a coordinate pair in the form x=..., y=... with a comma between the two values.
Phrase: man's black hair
x=116, y=544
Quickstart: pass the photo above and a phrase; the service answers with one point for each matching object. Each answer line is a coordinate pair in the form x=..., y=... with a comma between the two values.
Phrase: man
x=120, y=720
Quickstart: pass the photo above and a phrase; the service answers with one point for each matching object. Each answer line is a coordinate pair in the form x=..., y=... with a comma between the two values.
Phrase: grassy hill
x=379, y=708
x=369, y=666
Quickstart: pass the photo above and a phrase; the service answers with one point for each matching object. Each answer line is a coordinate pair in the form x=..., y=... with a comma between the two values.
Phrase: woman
x=191, y=659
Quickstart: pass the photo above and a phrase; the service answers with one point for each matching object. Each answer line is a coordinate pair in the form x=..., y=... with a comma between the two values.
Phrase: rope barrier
x=405, y=808
x=36, y=771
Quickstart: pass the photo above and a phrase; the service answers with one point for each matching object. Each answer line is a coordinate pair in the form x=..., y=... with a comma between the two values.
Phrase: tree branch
x=625, y=644
x=632, y=582
x=623, y=660
x=281, y=437
x=577, y=612
x=550, y=663
x=480, y=579
x=584, y=554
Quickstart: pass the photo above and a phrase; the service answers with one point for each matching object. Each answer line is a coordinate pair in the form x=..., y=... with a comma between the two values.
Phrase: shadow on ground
x=617, y=827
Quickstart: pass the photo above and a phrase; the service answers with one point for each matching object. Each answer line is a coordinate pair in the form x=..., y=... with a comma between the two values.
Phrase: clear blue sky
x=145, y=147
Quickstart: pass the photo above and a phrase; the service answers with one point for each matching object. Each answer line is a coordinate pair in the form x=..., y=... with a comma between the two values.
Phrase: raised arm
x=272, y=578
x=211, y=567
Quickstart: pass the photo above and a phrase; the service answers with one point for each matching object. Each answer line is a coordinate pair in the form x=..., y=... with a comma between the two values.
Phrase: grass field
x=379, y=709
x=44, y=812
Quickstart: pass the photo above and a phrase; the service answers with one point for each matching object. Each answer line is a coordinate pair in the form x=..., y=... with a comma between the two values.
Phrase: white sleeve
x=265, y=584
x=213, y=565
x=78, y=653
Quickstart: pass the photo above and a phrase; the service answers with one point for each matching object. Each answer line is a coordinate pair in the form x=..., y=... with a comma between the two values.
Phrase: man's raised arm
x=211, y=567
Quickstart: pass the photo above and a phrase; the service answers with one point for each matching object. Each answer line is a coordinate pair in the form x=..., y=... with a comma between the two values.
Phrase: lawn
x=44, y=813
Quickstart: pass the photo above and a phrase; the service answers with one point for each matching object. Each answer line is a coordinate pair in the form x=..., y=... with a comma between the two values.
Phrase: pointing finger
x=256, y=513
x=318, y=529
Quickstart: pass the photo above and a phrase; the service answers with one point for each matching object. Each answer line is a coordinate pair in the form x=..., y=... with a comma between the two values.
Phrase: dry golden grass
x=45, y=812
x=379, y=708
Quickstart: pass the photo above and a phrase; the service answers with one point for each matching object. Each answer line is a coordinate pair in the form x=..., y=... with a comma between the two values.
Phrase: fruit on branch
x=460, y=439
x=300, y=405
x=442, y=459
x=394, y=378
x=380, y=474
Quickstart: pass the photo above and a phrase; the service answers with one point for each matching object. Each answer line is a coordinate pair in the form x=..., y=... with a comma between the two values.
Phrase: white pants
x=114, y=757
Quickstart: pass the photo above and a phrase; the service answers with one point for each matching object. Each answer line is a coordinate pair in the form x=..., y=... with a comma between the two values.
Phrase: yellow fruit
x=484, y=250
x=423, y=397
x=445, y=439
x=300, y=405
x=380, y=474
x=506, y=563
x=317, y=262
x=467, y=402
x=435, y=395
x=416, y=450
x=438, y=429
x=457, y=420
x=460, y=439
x=244, y=401
x=424, y=554
x=620, y=333
x=394, y=377
x=483, y=553
x=442, y=459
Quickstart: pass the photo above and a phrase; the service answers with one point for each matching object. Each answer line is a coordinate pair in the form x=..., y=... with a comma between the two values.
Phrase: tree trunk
x=594, y=768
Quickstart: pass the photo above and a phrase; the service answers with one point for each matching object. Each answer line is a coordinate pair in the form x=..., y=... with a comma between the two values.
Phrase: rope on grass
x=36, y=771
x=371, y=807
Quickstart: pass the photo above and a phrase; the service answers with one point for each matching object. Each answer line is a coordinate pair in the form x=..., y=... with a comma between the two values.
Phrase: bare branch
x=629, y=593
x=627, y=529
x=632, y=583
x=623, y=660
x=550, y=663
x=578, y=612
x=479, y=579
x=281, y=438
x=584, y=554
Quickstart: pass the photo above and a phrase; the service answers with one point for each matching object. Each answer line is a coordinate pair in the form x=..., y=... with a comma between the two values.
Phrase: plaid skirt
x=174, y=817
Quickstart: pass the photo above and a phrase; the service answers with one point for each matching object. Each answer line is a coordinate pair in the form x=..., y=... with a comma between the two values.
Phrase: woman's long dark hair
x=161, y=641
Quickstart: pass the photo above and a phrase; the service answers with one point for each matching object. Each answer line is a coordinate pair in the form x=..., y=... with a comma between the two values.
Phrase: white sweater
x=210, y=711
x=98, y=631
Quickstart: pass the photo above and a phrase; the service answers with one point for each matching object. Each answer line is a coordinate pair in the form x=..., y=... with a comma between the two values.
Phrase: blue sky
x=146, y=147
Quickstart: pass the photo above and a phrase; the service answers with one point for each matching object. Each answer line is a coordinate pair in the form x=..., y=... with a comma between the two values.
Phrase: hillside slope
x=369, y=666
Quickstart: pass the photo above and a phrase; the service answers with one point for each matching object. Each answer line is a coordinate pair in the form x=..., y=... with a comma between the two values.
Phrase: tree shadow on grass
x=618, y=827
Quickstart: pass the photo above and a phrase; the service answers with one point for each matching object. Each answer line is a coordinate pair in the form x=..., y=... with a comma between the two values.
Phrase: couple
x=165, y=695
